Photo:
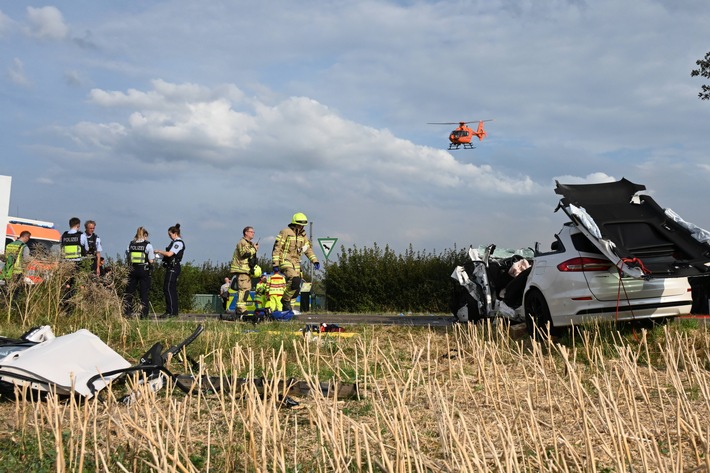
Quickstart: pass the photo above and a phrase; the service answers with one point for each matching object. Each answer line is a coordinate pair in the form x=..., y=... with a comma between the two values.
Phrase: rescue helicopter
x=463, y=135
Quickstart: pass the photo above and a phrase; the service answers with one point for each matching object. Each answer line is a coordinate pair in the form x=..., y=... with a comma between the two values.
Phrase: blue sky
x=223, y=114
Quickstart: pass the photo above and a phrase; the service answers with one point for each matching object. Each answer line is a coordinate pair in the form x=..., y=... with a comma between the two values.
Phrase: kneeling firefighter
x=290, y=244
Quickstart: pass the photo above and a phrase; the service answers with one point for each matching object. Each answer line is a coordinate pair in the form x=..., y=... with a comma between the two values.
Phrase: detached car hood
x=634, y=232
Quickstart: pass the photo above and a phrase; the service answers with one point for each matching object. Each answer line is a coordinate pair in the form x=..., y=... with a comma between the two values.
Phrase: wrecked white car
x=621, y=257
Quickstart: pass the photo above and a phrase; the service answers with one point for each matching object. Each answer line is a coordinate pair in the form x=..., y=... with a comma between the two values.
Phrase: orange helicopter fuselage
x=464, y=134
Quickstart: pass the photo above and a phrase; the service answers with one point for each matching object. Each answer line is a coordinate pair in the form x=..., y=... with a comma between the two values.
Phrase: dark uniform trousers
x=170, y=289
x=139, y=278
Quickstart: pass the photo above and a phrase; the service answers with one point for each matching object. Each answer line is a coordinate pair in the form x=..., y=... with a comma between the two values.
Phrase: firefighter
x=242, y=266
x=276, y=287
x=290, y=244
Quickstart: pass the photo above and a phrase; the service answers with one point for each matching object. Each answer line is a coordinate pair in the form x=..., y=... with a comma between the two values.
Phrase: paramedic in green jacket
x=16, y=255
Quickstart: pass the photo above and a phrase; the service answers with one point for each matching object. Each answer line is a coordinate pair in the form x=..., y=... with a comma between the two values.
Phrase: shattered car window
x=503, y=253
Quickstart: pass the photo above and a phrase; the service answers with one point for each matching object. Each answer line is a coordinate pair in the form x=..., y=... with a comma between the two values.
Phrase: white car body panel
x=576, y=297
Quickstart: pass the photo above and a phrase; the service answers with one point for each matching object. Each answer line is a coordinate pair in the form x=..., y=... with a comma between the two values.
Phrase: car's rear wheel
x=537, y=314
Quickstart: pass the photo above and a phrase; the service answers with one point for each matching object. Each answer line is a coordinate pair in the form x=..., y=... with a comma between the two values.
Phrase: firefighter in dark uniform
x=171, y=262
x=140, y=257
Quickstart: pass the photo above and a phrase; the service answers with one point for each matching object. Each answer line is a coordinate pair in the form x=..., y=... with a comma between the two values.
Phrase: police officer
x=290, y=244
x=140, y=255
x=74, y=247
x=94, y=244
x=74, y=243
x=171, y=262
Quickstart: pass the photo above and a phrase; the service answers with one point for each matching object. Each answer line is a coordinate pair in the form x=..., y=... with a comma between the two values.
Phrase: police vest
x=137, y=252
x=92, y=244
x=72, y=249
x=174, y=260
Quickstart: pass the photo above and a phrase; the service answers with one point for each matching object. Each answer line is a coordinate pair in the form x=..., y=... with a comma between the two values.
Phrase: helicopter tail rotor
x=480, y=132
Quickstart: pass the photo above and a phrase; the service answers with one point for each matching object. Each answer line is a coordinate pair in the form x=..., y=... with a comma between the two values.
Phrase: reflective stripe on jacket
x=244, y=251
x=277, y=284
x=137, y=253
x=72, y=248
x=289, y=246
x=13, y=252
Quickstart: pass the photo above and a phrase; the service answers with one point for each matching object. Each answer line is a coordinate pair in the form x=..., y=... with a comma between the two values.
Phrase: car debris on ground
x=81, y=365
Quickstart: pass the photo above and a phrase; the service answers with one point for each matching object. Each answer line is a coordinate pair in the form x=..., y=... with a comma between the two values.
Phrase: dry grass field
x=461, y=399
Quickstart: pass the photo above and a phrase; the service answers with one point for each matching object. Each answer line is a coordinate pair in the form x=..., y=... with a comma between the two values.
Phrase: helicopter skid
x=453, y=146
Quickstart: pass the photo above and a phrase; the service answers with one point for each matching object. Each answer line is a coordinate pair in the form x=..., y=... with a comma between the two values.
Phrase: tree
x=703, y=71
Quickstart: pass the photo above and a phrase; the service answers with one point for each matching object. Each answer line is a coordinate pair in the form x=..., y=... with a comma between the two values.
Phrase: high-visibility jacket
x=261, y=293
x=13, y=255
x=289, y=246
x=243, y=253
x=276, y=284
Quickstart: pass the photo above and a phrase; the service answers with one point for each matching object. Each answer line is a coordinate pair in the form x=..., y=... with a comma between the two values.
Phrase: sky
x=222, y=114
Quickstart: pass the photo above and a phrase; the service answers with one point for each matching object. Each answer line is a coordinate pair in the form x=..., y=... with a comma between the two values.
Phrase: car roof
x=630, y=226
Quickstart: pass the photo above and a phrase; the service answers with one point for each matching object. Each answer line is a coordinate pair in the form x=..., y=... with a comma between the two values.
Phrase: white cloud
x=298, y=136
x=330, y=109
x=46, y=23
x=17, y=74
x=6, y=25
x=594, y=178
x=75, y=78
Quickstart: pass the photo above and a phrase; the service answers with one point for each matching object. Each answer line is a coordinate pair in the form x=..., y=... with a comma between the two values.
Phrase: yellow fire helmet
x=299, y=219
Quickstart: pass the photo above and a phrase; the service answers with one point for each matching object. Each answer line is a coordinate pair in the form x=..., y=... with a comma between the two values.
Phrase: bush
x=376, y=279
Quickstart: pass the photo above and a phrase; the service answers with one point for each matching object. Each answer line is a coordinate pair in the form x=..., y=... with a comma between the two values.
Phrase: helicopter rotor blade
x=480, y=121
x=458, y=123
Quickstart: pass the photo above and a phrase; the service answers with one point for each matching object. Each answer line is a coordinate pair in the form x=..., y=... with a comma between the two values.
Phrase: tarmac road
x=380, y=319
x=355, y=319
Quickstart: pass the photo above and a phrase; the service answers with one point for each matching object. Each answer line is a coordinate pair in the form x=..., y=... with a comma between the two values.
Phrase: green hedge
x=379, y=280
x=361, y=280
